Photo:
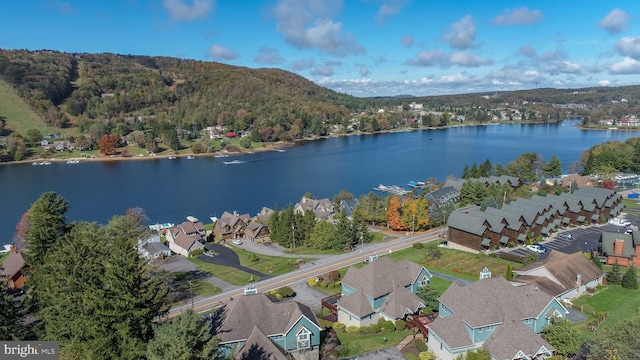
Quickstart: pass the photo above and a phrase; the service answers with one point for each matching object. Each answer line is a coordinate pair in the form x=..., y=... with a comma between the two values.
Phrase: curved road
x=316, y=268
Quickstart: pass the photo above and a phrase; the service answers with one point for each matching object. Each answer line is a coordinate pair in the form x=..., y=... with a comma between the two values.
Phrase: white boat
x=45, y=163
x=234, y=162
x=73, y=161
x=280, y=150
x=190, y=157
x=171, y=157
x=221, y=156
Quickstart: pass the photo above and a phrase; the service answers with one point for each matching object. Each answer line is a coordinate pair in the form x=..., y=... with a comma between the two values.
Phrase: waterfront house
x=491, y=313
x=254, y=327
x=256, y=231
x=323, y=209
x=443, y=195
x=565, y=276
x=383, y=289
x=349, y=206
x=185, y=238
x=13, y=268
x=623, y=249
x=231, y=225
x=150, y=247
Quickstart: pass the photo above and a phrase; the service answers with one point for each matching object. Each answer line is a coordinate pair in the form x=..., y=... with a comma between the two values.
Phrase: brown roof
x=259, y=346
x=563, y=269
x=401, y=301
x=545, y=284
x=357, y=304
x=12, y=264
x=241, y=314
x=452, y=330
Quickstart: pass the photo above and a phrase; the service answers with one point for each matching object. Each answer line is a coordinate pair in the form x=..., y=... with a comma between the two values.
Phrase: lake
x=170, y=190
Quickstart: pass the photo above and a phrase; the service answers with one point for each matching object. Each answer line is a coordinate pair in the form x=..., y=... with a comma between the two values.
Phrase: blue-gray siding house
x=495, y=315
x=255, y=326
x=382, y=289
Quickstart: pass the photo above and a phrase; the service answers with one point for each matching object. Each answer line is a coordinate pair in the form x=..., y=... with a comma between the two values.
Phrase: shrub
x=312, y=282
x=418, y=246
x=426, y=355
x=420, y=345
x=197, y=252
x=339, y=327
x=401, y=325
x=386, y=325
x=353, y=329
x=434, y=252
x=286, y=291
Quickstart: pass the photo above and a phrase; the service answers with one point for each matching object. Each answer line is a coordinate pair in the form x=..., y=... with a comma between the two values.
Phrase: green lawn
x=199, y=287
x=359, y=344
x=271, y=265
x=615, y=300
x=3, y=256
x=631, y=203
x=18, y=115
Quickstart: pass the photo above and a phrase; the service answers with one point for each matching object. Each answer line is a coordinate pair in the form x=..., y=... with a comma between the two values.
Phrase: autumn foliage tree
x=108, y=144
x=394, y=218
x=415, y=214
x=608, y=184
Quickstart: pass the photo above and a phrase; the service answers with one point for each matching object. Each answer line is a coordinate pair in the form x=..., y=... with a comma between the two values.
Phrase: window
x=425, y=281
x=480, y=330
x=304, y=338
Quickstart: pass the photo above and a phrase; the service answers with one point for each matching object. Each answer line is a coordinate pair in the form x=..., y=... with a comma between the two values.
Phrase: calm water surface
x=169, y=190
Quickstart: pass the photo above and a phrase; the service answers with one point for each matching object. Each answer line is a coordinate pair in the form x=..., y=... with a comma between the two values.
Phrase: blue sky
x=358, y=47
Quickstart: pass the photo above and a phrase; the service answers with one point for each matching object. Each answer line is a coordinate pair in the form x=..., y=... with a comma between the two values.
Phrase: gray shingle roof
x=466, y=222
x=241, y=314
x=514, y=336
x=378, y=277
x=259, y=346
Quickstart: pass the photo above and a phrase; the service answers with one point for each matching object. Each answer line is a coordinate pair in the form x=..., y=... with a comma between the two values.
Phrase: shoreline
x=278, y=145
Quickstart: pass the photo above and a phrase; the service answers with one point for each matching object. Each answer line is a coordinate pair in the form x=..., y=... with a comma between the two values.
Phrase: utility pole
x=191, y=293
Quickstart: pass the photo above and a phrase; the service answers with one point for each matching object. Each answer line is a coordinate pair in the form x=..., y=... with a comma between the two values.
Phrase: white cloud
x=364, y=71
x=528, y=51
x=427, y=58
x=628, y=46
x=439, y=58
x=467, y=60
x=565, y=67
x=462, y=34
x=518, y=17
x=322, y=71
x=604, y=83
x=308, y=24
x=303, y=64
x=390, y=8
x=615, y=22
x=626, y=66
x=218, y=52
x=185, y=11
x=407, y=41
x=268, y=56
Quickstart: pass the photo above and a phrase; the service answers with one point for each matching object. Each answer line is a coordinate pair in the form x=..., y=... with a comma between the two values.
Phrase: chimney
x=235, y=213
x=13, y=249
x=579, y=279
x=618, y=247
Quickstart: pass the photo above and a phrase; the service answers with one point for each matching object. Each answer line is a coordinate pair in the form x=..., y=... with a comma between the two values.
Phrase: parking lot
x=583, y=238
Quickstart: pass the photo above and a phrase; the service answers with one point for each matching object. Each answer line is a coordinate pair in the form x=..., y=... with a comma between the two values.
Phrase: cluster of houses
x=527, y=219
x=503, y=317
x=625, y=121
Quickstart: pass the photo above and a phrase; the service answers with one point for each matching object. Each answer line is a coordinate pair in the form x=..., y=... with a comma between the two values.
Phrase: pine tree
x=630, y=278
x=613, y=277
x=187, y=337
x=509, y=273
x=47, y=223
x=10, y=318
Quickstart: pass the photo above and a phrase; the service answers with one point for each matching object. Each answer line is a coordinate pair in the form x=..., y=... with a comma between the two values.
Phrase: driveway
x=227, y=257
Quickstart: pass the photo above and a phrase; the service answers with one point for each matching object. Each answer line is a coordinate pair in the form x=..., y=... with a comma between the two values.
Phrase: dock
x=392, y=189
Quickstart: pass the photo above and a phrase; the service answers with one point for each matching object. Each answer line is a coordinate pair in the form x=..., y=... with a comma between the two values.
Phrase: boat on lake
x=415, y=183
x=73, y=161
x=171, y=157
x=190, y=157
x=234, y=162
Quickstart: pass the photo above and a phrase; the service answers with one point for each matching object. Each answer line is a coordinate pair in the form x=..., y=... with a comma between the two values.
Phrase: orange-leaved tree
x=108, y=144
x=394, y=218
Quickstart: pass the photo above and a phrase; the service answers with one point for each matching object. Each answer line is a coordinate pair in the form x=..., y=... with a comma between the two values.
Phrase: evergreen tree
x=344, y=234
x=185, y=338
x=553, y=168
x=473, y=173
x=596, y=260
x=509, y=274
x=630, y=278
x=10, y=319
x=485, y=168
x=613, y=277
x=465, y=172
x=429, y=296
x=47, y=223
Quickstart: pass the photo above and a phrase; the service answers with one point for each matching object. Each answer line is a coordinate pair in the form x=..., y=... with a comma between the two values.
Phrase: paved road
x=310, y=269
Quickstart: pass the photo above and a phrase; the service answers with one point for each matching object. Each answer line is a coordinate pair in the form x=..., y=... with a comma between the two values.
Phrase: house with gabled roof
x=443, y=195
x=255, y=327
x=382, y=289
x=565, y=276
x=231, y=225
x=322, y=208
x=186, y=238
x=493, y=314
x=12, y=270
x=256, y=231
x=623, y=249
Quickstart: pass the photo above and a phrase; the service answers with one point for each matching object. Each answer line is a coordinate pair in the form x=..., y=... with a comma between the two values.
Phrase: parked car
x=565, y=236
x=236, y=241
x=537, y=248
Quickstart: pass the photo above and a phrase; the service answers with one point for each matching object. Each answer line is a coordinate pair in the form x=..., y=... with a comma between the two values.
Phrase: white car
x=237, y=241
x=537, y=248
